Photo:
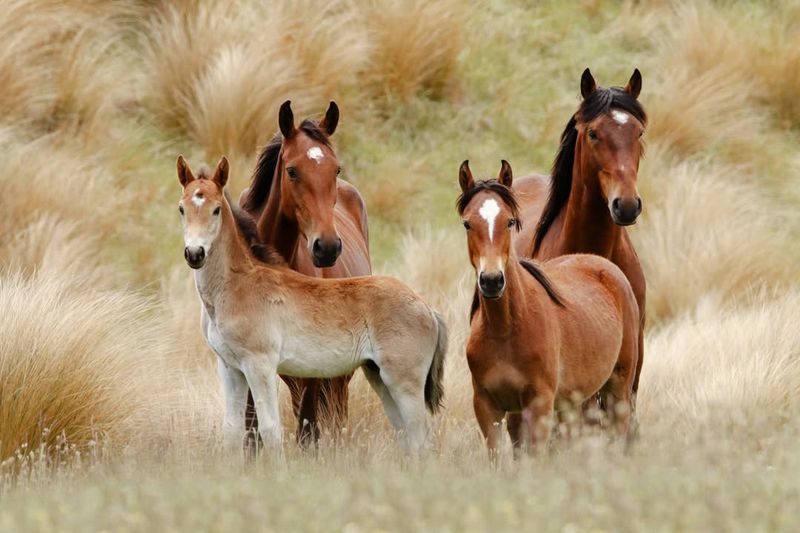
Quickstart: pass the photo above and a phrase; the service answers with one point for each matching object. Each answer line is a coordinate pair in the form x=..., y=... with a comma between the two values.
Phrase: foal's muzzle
x=625, y=211
x=325, y=252
x=491, y=284
x=195, y=256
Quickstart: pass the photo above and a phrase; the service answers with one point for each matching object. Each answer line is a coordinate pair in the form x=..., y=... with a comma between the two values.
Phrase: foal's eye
x=641, y=133
x=512, y=222
x=217, y=211
x=593, y=135
x=466, y=225
x=180, y=209
x=338, y=171
x=292, y=172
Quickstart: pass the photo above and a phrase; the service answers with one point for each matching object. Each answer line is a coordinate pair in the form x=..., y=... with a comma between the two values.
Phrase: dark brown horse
x=591, y=195
x=541, y=334
x=318, y=223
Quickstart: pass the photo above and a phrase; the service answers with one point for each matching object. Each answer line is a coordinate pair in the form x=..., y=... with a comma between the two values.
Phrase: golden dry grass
x=100, y=338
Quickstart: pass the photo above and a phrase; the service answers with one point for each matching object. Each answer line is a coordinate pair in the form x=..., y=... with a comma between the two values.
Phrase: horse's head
x=308, y=181
x=610, y=124
x=490, y=213
x=201, y=208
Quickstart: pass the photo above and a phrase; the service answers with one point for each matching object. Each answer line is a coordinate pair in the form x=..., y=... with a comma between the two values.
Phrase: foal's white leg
x=263, y=381
x=415, y=419
x=234, y=387
x=389, y=406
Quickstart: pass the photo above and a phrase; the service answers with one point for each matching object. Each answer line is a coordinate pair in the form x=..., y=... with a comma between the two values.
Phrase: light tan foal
x=261, y=319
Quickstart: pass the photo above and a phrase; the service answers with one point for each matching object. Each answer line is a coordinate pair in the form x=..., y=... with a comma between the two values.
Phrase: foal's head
x=308, y=181
x=201, y=209
x=490, y=213
x=610, y=123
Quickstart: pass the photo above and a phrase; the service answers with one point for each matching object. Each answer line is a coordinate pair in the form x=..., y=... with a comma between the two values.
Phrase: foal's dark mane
x=507, y=196
x=261, y=182
x=600, y=101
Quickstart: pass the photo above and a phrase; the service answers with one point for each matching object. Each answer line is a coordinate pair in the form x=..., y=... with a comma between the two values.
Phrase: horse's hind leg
x=373, y=375
x=617, y=393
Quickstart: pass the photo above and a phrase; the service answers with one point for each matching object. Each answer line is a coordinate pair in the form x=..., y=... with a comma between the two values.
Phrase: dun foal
x=560, y=331
x=261, y=319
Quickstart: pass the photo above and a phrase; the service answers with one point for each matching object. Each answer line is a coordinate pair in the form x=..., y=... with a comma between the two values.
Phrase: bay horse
x=541, y=334
x=262, y=318
x=318, y=223
x=592, y=194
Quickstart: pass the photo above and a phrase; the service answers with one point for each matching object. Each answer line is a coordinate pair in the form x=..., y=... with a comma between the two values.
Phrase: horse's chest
x=507, y=375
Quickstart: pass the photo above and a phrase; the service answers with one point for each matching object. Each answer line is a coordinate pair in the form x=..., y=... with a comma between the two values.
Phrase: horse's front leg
x=234, y=386
x=489, y=418
x=263, y=380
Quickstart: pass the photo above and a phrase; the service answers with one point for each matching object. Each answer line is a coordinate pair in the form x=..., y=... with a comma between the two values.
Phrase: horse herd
x=558, y=311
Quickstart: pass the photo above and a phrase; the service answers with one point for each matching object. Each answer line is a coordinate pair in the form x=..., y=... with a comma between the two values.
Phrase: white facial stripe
x=620, y=116
x=315, y=153
x=489, y=211
x=198, y=200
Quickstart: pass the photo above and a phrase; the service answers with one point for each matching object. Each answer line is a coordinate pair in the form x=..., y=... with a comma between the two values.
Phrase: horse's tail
x=434, y=386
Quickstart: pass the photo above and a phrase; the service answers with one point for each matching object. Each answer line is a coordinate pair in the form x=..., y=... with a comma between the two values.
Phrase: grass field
x=110, y=408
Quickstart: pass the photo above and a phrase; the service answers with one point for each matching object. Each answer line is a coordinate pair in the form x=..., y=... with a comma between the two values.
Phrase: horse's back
x=531, y=192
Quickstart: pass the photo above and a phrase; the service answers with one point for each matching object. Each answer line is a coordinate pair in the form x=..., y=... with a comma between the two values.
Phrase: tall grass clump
x=218, y=72
x=72, y=362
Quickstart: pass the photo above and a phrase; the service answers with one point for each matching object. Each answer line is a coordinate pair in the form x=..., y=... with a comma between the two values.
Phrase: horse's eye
x=217, y=211
x=180, y=209
x=466, y=225
x=641, y=133
x=512, y=222
x=338, y=171
x=593, y=135
x=292, y=172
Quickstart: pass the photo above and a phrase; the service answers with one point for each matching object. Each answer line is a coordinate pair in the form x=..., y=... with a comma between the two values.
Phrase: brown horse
x=541, y=334
x=592, y=193
x=263, y=319
x=311, y=218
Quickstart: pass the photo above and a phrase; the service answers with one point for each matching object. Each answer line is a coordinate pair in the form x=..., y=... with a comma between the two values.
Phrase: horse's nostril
x=615, y=205
x=639, y=204
x=186, y=253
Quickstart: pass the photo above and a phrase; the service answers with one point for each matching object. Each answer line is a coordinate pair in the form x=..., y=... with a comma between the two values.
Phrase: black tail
x=434, y=383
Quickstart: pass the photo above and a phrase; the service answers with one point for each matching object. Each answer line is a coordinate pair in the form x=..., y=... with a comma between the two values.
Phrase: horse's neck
x=586, y=223
x=500, y=314
x=275, y=228
x=226, y=260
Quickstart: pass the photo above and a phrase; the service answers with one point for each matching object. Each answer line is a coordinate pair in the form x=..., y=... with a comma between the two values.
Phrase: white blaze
x=489, y=211
x=198, y=200
x=620, y=116
x=315, y=153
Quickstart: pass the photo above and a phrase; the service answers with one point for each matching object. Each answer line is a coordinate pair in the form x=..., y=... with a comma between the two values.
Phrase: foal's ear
x=221, y=174
x=634, y=86
x=588, y=85
x=184, y=172
x=465, y=178
x=286, y=119
x=505, y=176
x=331, y=120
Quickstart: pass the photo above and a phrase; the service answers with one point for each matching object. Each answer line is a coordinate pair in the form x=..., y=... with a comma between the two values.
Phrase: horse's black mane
x=600, y=101
x=249, y=232
x=261, y=182
x=507, y=195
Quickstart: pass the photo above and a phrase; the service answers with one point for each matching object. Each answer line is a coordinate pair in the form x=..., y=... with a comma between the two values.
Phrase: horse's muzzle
x=195, y=256
x=325, y=252
x=624, y=212
x=491, y=284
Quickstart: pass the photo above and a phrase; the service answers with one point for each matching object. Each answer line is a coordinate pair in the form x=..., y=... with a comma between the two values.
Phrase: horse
x=542, y=335
x=263, y=318
x=592, y=194
x=318, y=223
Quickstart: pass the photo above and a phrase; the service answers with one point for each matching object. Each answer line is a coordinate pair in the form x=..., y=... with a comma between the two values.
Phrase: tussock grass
x=72, y=362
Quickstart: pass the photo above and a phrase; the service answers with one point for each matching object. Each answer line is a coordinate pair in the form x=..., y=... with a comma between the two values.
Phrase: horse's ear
x=634, y=86
x=331, y=120
x=588, y=85
x=184, y=172
x=221, y=174
x=505, y=176
x=286, y=119
x=465, y=178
